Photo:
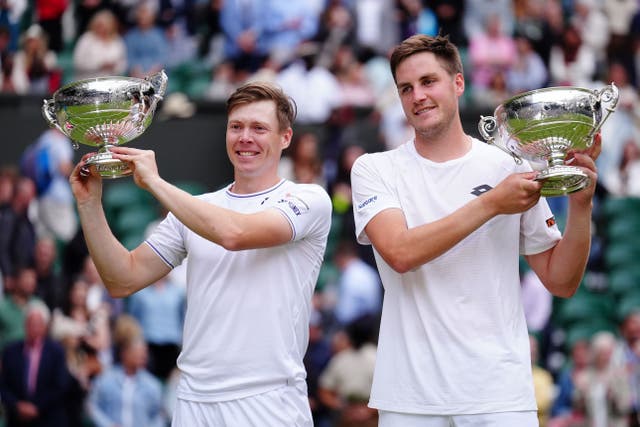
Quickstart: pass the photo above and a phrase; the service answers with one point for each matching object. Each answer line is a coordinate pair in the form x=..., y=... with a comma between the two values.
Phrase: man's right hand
x=517, y=193
x=86, y=182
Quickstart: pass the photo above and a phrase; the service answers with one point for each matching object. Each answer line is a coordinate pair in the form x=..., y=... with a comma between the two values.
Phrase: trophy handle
x=159, y=83
x=49, y=114
x=487, y=127
x=608, y=98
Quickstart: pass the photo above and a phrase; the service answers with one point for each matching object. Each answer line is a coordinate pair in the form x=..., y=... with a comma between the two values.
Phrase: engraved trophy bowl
x=104, y=112
x=542, y=125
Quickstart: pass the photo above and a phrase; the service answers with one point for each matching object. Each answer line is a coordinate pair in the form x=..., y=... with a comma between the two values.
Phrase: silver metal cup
x=104, y=112
x=543, y=125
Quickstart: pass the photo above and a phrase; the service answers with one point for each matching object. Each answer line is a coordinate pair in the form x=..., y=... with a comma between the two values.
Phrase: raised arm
x=227, y=228
x=122, y=271
x=562, y=267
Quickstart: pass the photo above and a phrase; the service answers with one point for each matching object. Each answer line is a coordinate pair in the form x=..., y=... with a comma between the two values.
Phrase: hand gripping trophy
x=542, y=125
x=103, y=112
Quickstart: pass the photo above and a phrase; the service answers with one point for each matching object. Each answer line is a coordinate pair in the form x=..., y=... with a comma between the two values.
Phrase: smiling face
x=255, y=143
x=429, y=94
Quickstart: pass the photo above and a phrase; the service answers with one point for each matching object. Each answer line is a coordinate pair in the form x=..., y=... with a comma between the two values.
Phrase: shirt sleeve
x=167, y=241
x=371, y=194
x=538, y=229
x=308, y=210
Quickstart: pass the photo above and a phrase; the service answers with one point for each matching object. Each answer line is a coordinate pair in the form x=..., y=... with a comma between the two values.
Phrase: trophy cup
x=104, y=112
x=542, y=125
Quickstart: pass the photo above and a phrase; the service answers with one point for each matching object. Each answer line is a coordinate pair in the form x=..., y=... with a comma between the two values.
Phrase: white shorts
x=286, y=406
x=498, y=419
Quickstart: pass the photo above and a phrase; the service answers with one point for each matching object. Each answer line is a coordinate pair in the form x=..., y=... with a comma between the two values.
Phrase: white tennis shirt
x=247, y=320
x=453, y=338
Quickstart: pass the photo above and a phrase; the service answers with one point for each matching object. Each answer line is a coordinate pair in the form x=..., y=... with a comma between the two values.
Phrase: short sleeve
x=167, y=241
x=308, y=210
x=372, y=192
x=538, y=229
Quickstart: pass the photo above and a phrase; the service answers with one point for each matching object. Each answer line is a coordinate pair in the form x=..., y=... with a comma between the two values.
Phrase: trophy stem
x=107, y=166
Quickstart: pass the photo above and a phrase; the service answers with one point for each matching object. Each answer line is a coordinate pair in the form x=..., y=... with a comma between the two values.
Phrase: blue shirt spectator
x=146, y=44
x=127, y=395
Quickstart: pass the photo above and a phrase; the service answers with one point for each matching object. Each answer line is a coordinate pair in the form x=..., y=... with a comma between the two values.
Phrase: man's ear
x=286, y=138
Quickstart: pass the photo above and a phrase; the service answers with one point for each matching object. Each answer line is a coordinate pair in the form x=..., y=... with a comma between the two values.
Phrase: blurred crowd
x=95, y=352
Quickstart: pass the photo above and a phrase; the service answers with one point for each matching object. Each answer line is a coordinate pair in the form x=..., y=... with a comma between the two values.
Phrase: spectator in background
x=563, y=412
x=127, y=395
x=571, y=63
x=286, y=25
x=492, y=52
x=13, y=305
x=146, y=44
x=603, y=388
x=160, y=310
x=315, y=89
x=477, y=13
x=593, y=25
x=377, y=27
x=352, y=81
x=359, y=289
x=528, y=71
x=449, y=14
x=7, y=187
x=11, y=13
x=100, y=50
x=345, y=384
x=302, y=162
x=626, y=357
x=542, y=384
x=21, y=234
x=625, y=181
x=34, y=379
x=620, y=127
x=56, y=211
x=243, y=25
x=541, y=23
x=48, y=14
x=89, y=332
x=49, y=281
x=36, y=63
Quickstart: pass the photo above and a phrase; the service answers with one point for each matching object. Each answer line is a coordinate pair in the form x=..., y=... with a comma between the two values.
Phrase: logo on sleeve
x=367, y=202
x=297, y=205
x=551, y=221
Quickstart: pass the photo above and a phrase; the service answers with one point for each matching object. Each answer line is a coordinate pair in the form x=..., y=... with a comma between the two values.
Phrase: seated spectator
x=160, y=310
x=36, y=63
x=491, y=52
x=302, y=161
x=563, y=412
x=571, y=62
x=359, y=287
x=542, y=384
x=126, y=394
x=100, y=51
x=528, y=71
x=603, y=389
x=345, y=384
x=13, y=305
x=73, y=320
x=314, y=88
x=146, y=44
x=34, y=378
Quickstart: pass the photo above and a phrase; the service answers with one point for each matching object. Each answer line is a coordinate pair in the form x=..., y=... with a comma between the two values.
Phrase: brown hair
x=263, y=91
x=445, y=51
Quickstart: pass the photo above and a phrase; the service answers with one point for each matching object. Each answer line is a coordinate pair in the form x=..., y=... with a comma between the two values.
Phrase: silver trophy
x=542, y=125
x=104, y=112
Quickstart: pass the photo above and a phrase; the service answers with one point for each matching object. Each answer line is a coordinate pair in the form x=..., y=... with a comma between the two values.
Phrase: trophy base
x=562, y=180
x=108, y=167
